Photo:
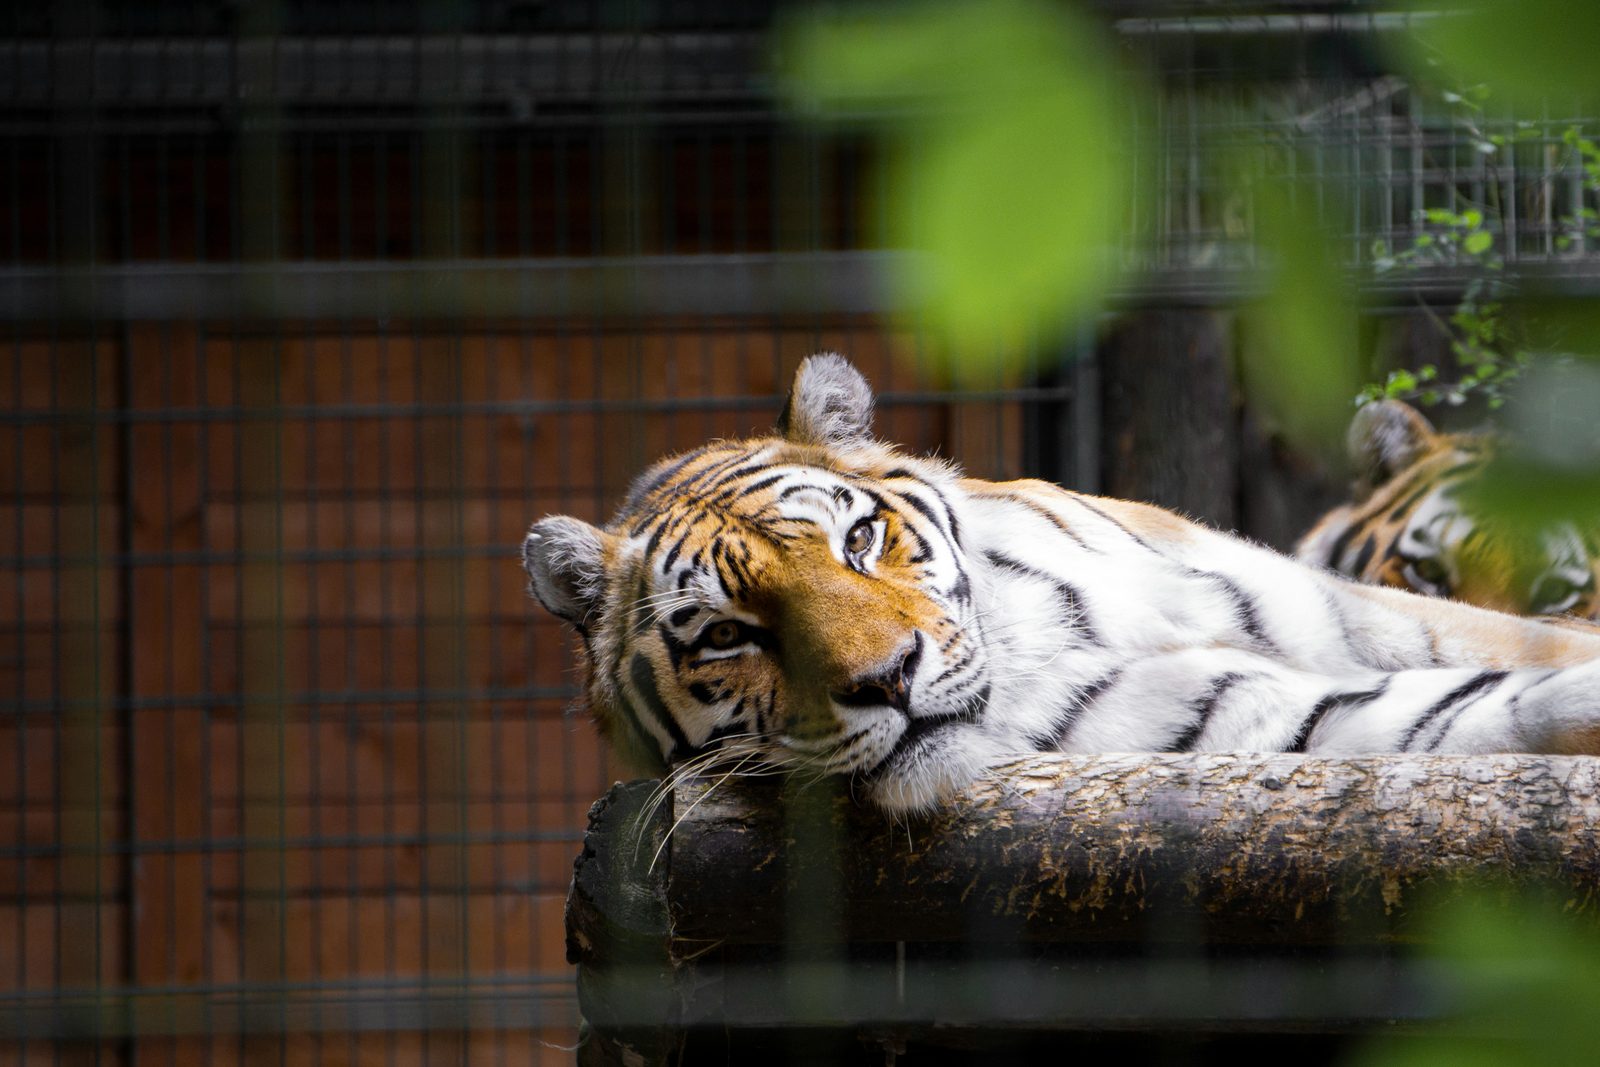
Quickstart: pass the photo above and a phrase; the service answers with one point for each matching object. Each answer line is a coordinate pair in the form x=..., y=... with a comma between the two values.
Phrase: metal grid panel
x=1314, y=99
x=294, y=770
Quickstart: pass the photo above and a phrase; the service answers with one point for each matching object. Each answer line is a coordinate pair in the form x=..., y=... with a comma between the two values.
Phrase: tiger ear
x=829, y=404
x=1385, y=438
x=565, y=561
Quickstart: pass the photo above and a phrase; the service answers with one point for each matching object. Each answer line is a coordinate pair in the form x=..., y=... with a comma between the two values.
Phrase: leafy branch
x=1488, y=349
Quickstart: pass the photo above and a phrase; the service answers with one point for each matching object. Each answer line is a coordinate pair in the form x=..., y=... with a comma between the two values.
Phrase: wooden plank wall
x=64, y=893
x=285, y=721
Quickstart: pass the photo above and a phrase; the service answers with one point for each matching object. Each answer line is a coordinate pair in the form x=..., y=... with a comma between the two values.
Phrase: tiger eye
x=1431, y=571
x=723, y=635
x=1554, y=595
x=859, y=539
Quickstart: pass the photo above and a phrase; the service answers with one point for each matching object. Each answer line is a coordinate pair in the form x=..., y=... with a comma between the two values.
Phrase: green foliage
x=1004, y=132
x=1529, y=50
x=1526, y=53
x=1492, y=348
x=1305, y=369
x=1005, y=170
x=1525, y=975
x=1549, y=470
x=1487, y=358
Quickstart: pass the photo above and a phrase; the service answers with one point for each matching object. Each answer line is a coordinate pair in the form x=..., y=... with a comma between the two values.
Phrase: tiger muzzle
x=891, y=687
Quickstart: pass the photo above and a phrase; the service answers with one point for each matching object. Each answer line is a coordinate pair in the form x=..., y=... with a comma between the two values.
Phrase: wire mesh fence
x=311, y=308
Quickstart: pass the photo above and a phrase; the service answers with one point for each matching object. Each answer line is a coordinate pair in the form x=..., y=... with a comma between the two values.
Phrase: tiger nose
x=891, y=686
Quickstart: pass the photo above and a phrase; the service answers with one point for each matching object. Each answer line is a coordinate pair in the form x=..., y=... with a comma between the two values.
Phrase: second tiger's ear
x=1385, y=438
x=829, y=404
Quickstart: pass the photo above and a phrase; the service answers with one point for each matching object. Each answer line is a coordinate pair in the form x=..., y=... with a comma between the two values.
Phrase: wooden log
x=1240, y=848
x=617, y=930
x=1077, y=883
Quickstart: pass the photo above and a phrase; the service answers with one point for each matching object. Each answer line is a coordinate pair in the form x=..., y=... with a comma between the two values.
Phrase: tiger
x=820, y=601
x=1414, y=525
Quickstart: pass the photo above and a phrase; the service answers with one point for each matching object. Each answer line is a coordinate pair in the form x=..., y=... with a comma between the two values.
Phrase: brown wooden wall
x=283, y=734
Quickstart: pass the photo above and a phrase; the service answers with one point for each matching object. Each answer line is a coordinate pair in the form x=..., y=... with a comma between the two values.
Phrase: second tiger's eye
x=859, y=539
x=1431, y=571
x=724, y=634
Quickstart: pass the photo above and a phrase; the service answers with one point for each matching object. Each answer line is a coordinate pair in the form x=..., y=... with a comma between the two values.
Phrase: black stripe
x=613, y=667
x=641, y=605
x=796, y=490
x=721, y=733
x=1336, y=550
x=676, y=649
x=1406, y=506
x=1379, y=511
x=672, y=553
x=1075, y=607
x=710, y=474
x=642, y=488
x=963, y=585
x=726, y=476
x=921, y=507
x=1247, y=614
x=1202, y=708
x=978, y=703
x=1460, y=709
x=644, y=680
x=924, y=550
x=756, y=487
x=1067, y=717
x=1328, y=703
x=645, y=522
x=916, y=733
x=954, y=668
x=1364, y=556
x=1479, y=682
x=1336, y=612
x=955, y=527
x=950, y=527
x=1055, y=520
x=765, y=716
x=655, y=542
x=1078, y=499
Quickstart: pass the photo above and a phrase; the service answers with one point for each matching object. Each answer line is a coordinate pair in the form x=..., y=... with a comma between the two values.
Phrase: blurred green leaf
x=1302, y=364
x=1525, y=49
x=1005, y=162
x=1550, y=473
x=1478, y=242
x=1014, y=225
x=1525, y=973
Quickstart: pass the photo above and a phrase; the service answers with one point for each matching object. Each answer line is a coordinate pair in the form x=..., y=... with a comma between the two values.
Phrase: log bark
x=1053, y=873
x=1245, y=848
x=618, y=932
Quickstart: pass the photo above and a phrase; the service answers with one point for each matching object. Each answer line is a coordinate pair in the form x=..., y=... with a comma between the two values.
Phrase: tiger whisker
x=677, y=774
x=687, y=812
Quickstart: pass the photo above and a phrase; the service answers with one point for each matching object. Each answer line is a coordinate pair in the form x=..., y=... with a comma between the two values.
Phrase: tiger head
x=790, y=601
x=1413, y=525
